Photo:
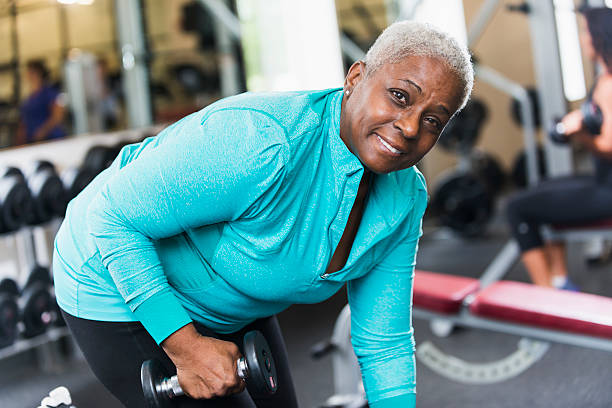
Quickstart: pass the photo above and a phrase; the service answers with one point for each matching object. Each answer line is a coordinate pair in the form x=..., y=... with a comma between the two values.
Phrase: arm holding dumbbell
x=206, y=367
x=578, y=125
x=600, y=144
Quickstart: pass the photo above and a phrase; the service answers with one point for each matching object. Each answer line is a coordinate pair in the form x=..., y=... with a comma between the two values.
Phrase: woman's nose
x=408, y=124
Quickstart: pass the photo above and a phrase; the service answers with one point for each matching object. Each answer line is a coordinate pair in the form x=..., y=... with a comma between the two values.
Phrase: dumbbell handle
x=172, y=388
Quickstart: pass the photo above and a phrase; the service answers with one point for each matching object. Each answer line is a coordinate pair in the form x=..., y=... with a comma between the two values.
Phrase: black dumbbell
x=48, y=194
x=42, y=275
x=9, y=312
x=463, y=203
x=592, y=120
x=38, y=310
x=256, y=368
x=75, y=180
x=15, y=200
x=99, y=158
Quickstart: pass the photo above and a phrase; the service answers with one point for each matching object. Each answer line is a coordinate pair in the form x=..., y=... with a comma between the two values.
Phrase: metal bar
x=406, y=9
x=466, y=319
x=219, y=10
x=135, y=78
x=350, y=49
x=517, y=91
x=229, y=74
x=501, y=264
x=22, y=345
x=15, y=45
x=482, y=19
x=547, y=66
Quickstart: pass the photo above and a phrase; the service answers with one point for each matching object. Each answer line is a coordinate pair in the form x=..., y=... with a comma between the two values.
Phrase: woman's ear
x=355, y=74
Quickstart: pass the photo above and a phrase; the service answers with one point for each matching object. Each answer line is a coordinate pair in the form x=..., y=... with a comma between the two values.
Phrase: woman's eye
x=434, y=122
x=400, y=96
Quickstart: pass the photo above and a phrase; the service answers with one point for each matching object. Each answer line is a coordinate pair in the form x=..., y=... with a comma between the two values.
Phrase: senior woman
x=227, y=217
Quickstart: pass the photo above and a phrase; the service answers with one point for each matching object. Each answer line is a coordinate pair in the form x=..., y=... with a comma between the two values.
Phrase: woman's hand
x=572, y=122
x=206, y=367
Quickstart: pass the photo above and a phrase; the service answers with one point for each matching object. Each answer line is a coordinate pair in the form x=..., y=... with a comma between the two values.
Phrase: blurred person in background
x=42, y=112
x=574, y=199
x=110, y=105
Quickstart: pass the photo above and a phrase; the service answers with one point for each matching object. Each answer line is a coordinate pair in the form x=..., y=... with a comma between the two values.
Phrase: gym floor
x=565, y=376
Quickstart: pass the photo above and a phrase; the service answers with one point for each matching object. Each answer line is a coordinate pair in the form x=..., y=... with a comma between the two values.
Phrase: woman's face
x=34, y=79
x=392, y=118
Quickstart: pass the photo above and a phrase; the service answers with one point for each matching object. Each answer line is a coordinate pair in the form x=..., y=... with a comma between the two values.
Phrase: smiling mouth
x=388, y=147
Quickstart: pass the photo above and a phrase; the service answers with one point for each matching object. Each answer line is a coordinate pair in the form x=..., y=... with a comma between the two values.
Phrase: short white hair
x=411, y=38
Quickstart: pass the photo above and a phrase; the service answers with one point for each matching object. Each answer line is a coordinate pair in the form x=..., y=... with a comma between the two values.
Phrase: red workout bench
x=523, y=309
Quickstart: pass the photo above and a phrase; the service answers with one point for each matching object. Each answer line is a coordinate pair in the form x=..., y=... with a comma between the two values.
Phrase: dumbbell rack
x=31, y=249
x=47, y=354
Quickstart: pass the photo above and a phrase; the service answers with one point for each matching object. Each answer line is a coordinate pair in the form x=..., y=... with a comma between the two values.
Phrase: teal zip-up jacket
x=233, y=214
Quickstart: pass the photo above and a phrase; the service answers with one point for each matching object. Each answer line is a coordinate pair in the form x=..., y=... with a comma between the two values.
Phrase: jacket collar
x=344, y=162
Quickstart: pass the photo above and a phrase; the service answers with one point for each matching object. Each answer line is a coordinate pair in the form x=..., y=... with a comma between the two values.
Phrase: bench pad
x=546, y=308
x=442, y=293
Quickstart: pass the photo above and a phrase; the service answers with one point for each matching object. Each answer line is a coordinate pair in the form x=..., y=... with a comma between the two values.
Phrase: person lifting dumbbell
x=574, y=199
x=205, y=232
x=589, y=119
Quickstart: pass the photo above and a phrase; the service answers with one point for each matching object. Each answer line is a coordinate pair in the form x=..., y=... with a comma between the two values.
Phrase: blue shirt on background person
x=36, y=110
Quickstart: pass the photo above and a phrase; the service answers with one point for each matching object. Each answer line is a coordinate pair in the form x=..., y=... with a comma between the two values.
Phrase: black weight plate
x=519, y=167
x=515, y=108
x=152, y=373
x=37, y=308
x=262, y=378
x=9, y=315
x=48, y=195
x=11, y=171
x=40, y=165
x=15, y=203
x=486, y=167
x=59, y=319
x=99, y=158
x=39, y=274
x=9, y=286
x=75, y=180
x=461, y=133
x=463, y=204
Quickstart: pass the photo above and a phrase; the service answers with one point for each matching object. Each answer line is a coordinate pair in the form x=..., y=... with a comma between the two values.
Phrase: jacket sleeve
x=381, y=322
x=202, y=172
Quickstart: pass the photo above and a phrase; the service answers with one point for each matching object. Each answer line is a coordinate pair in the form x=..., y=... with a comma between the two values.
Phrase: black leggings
x=565, y=200
x=116, y=350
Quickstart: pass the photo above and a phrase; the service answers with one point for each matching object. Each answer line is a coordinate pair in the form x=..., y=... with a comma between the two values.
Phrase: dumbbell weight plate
x=9, y=287
x=489, y=170
x=11, y=171
x=9, y=316
x=262, y=378
x=463, y=204
x=37, y=309
x=153, y=372
x=39, y=274
x=15, y=203
x=99, y=158
x=75, y=180
x=48, y=195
